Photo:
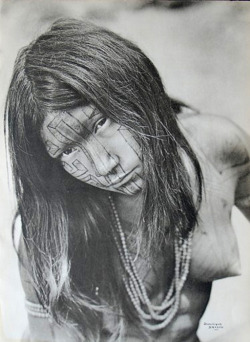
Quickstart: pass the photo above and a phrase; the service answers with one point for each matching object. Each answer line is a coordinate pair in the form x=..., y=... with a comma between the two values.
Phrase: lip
x=122, y=180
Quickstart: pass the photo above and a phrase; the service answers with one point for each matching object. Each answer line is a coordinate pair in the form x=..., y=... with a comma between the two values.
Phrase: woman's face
x=94, y=149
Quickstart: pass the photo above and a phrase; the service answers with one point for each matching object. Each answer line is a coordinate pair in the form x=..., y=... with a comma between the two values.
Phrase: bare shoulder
x=25, y=272
x=222, y=141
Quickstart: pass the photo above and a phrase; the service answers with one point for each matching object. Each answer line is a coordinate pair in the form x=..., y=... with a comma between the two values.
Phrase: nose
x=103, y=161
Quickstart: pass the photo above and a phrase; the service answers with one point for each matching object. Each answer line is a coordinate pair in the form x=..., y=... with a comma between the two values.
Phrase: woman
x=125, y=208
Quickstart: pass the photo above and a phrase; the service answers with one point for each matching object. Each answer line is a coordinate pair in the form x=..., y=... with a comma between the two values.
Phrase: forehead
x=81, y=114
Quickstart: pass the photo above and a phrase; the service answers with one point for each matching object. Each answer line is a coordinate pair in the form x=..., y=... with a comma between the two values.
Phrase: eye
x=99, y=124
x=68, y=151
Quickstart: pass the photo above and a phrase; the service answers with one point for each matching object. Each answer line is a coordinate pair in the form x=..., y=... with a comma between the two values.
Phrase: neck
x=129, y=207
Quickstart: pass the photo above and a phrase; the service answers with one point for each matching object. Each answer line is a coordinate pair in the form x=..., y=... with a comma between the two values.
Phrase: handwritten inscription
x=213, y=326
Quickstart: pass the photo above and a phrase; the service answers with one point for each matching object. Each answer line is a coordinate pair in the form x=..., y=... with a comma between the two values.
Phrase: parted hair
x=66, y=223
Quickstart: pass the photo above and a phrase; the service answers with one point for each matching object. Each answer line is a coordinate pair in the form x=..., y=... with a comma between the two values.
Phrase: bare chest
x=157, y=276
x=193, y=301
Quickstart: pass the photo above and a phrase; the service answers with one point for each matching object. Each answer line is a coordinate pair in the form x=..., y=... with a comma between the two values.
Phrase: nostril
x=113, y=171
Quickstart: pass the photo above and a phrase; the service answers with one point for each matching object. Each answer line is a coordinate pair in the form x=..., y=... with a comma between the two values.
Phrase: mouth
x=122, y=180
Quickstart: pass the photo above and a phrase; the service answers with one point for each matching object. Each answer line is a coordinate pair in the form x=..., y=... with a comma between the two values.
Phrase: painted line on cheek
x=92, y=180
x=127, y=190
x=67, y=167
x=75, y=168
x=79, y=166
x=97, y=155
x=136, y=185
x=120, y=129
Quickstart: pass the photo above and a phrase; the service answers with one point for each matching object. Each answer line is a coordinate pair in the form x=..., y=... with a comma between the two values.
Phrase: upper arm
x=41, y=329
x=227, y=147
x=25, y=273
x=231, y=156
x=242, y=191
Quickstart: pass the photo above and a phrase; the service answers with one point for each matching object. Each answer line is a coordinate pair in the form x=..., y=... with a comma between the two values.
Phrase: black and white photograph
x=125, y=171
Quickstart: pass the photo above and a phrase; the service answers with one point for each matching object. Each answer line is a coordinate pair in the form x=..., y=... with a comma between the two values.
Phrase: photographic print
x=125, y=171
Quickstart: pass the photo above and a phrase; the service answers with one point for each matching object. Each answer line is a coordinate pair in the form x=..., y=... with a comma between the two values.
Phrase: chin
x=132, y=187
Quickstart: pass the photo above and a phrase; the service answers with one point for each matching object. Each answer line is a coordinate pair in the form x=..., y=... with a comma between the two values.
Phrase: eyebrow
x=94, y=113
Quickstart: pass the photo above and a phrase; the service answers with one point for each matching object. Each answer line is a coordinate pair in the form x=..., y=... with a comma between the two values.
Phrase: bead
x=151, y=315
x=97, y=291
x=36, y=310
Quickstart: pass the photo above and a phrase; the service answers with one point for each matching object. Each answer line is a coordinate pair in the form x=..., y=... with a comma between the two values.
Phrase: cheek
x=78, y=166
x=127, y=144
x=84, y=173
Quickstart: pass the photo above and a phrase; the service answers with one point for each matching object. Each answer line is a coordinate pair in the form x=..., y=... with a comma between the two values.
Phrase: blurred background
x=201, y=49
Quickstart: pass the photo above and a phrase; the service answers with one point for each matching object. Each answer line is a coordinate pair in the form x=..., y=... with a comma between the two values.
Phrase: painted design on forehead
x=66, y=129
x=51, y=148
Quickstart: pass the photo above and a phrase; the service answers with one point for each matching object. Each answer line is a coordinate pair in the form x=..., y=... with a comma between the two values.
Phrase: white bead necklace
x=153, y=317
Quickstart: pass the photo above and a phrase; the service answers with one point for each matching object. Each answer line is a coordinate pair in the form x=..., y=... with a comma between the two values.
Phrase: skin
x=109, y=152
x=94, y=149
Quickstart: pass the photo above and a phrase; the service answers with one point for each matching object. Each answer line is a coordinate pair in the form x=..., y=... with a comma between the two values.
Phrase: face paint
x=94, y=149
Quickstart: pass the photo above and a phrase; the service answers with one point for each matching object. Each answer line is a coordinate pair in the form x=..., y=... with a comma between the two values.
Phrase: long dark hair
x=75, y=64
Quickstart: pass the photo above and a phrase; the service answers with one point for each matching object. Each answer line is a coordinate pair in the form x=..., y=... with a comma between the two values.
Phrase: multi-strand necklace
x=153, y=317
